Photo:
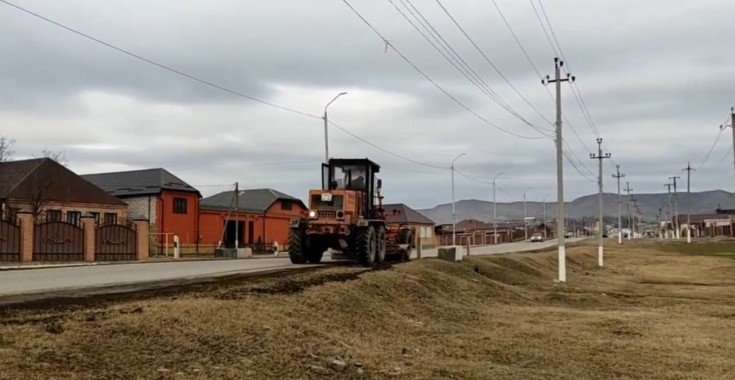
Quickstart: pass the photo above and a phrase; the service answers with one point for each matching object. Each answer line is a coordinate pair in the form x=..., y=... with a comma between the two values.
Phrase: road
x=82, y=280
x=101, y=279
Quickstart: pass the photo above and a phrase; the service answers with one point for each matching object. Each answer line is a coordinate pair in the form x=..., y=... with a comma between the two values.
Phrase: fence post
x=90, y=230
x=417, y=237
x=142, y=229
x=26, y=235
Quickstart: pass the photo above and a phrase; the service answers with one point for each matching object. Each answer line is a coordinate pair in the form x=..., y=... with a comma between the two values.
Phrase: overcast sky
x=655, y=75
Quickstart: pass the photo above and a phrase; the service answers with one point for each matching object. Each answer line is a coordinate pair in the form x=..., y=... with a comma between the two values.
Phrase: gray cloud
x=655, y=75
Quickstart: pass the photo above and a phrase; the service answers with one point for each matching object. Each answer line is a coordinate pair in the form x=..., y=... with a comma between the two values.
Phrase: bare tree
x=44, y=185
x=6, y=149
x=58, y=156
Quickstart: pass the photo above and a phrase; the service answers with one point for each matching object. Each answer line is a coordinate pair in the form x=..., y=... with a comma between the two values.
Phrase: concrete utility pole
x=618, y=176
x=525, y=217
x=689, y=170
x=732, y=126
x=560, y=225
x=495, y=211
x=677, y=234
x=546, y=224
x=670, y=212
x=628, y=189
x=237, y=215
x=326, y=127
x=454, y=213
x=660, y=210
x=601, y=239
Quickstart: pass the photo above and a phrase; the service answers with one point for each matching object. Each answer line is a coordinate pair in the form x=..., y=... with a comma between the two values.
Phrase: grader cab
x=346, y=215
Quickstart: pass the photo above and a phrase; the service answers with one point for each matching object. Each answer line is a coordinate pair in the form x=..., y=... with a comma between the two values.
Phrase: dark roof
x=253, y=200
x=400, y=213
x=355, y=161
x=139, y=182
x=24, y=179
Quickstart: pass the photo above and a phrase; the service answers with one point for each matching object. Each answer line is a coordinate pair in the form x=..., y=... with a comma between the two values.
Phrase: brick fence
x=89, y=227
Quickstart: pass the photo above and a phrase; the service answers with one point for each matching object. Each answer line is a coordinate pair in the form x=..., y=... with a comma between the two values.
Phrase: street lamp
x=525, y=214
x=326, y=130
x=495, y=211
x=545, y=221
x=454, y=214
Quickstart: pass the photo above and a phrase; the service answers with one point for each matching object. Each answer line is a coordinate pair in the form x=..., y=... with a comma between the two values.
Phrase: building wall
x=278, y=222
x=120, y=210
x=268, y=228
x=182, y=225
x=144, y=206
x=426, y=234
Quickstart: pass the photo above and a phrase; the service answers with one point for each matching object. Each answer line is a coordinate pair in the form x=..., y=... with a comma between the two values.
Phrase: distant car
x=537, y=238
x=567, y=234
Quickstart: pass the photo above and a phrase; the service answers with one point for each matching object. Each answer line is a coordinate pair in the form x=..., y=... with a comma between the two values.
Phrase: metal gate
x=58, y=241
x=116, y=242
x=9, y=240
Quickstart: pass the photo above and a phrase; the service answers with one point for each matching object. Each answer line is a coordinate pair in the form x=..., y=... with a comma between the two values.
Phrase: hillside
x=701, y=202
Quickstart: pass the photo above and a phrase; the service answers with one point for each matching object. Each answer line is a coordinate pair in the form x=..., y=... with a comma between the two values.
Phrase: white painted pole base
x=599, y=255
x=689, y=237
x=562, y=264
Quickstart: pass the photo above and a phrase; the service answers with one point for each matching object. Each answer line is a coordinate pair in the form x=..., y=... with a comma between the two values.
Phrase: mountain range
x=649, y=204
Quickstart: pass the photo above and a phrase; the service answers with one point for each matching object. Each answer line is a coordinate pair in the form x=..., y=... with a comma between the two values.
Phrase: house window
x=110, y=218
x=179, y=205
x=73, y=217
x=423, y=232
x=428, y=232
x=96, y=216
x=286, y=205
x=53, y=215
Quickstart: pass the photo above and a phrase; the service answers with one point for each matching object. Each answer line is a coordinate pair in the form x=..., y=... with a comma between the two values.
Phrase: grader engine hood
x=333, y=205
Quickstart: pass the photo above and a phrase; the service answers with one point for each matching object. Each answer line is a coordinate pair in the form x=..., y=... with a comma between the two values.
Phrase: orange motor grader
x=346, y=215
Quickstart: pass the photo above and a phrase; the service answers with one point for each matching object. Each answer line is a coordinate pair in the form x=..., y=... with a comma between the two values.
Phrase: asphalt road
x=30, y=281
x=112, y=278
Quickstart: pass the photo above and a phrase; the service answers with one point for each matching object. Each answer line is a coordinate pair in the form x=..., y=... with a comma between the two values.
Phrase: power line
x=158, y=64
x=454, y=58
x=535, y=68
x=548, y=38
x=727, y=155
x=712, y=148
x=482, y=53
x=428, y=78
x=199, y=80
x=386, y=150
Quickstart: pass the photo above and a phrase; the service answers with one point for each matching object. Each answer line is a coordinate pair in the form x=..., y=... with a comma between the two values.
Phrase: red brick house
x=261, y=220
x=170, y=204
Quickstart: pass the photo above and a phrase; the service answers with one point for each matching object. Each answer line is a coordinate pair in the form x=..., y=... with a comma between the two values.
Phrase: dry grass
x=651, y=313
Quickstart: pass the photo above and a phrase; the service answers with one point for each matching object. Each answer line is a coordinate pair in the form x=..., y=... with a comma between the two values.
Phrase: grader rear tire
x=365, y=246
x=380, y=244
x=297, y=245
x=406, y=237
